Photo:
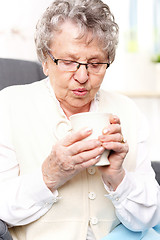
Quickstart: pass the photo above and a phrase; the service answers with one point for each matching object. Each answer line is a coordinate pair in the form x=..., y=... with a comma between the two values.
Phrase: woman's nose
x=81, y=74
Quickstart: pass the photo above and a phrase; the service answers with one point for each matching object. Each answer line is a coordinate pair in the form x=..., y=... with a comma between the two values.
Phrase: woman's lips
x=80, y=92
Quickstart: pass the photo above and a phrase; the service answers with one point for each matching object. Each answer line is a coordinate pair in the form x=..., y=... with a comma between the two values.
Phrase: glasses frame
x=55, y=60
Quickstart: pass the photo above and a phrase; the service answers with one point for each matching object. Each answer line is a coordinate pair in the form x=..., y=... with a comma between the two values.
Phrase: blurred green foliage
x=156, y=58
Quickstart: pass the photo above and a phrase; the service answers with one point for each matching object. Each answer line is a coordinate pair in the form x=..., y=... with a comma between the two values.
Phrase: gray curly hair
x=89, y=15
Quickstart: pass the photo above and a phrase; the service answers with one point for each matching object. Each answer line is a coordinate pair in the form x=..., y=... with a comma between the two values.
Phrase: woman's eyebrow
x=76, y=57
x=70, y=55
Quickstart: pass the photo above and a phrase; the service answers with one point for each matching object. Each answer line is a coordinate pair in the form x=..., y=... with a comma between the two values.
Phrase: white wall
x=18, y=19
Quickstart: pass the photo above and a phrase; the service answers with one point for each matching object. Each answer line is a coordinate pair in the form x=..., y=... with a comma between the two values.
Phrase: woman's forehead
x=75, y=31
x=72, y=35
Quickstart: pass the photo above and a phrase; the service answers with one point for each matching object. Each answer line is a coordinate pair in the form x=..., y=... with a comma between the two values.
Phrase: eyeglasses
x=71, y=66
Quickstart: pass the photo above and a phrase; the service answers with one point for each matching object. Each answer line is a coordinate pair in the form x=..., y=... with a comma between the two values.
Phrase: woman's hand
x=112, y=139
x=69, y=156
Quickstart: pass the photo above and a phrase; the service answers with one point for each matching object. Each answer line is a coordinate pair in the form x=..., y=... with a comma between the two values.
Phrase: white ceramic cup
x=95, y=120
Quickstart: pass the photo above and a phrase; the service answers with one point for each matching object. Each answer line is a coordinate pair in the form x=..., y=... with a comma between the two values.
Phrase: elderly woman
x=52, y=188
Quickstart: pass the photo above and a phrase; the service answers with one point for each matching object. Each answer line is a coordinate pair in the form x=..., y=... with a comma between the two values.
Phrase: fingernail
x=115, y=118
x=105, y=131
x=98, y=143
x=101, y=149
x=98, y=156
x=88, y=130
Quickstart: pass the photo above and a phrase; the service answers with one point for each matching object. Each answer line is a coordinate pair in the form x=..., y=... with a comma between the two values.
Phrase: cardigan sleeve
x=24, y=198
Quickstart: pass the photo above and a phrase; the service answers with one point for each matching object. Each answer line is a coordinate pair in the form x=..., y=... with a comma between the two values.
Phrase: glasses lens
x=96, y=67
x=71, y=66
x=66, y=65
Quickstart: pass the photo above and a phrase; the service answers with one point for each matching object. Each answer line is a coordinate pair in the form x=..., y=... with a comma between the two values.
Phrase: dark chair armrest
x=15, y=72
x=156, y=168
x=4, y=233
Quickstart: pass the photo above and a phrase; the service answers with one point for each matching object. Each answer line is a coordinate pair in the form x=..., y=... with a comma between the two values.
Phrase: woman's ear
x=45, y=68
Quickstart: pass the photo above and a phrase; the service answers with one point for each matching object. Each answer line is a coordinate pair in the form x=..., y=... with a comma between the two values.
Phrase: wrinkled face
x=75, y=90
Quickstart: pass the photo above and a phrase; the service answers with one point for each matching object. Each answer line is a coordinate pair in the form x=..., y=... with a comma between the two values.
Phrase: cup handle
x=58, y=125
